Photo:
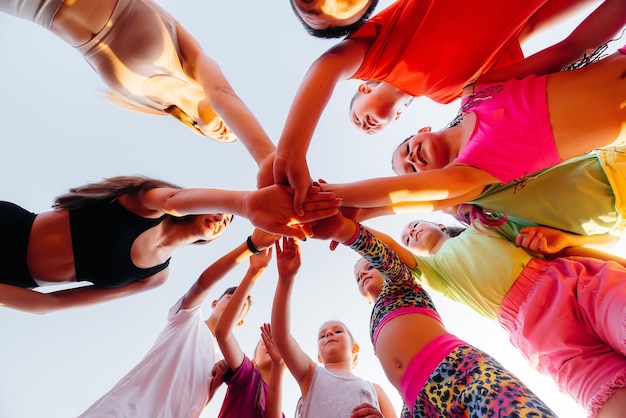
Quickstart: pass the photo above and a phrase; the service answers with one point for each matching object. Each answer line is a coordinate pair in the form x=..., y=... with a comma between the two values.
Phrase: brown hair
x=108, y=189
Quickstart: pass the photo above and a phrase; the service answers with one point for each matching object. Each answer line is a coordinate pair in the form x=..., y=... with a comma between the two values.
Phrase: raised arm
x=216, y=271
x=297, y=361
x=269, y=208
x=233, y=354
x=222, y=97
x=273, y=404
x=336, y=64
x=600, y=26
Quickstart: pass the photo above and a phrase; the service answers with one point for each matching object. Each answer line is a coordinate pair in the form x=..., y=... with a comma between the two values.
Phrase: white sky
x=58, y=131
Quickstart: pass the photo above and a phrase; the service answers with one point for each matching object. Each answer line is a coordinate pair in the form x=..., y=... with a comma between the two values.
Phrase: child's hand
x=271, y=209
x=260, y=261
x=268, y=340
x=288, y=258
x=366, y=410
x=542, y=239
x=217, y=376
x=336, y=227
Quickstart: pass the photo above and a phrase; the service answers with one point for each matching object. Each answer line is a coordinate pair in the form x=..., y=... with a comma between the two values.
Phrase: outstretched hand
x=271, y=209
x=288, y=258
x=270, y=346
x=217, y=376
x=260, y=261
x=294, y=171
x=542, y=239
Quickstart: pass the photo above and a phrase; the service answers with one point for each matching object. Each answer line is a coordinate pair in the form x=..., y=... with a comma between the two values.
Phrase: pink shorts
x=568, y=317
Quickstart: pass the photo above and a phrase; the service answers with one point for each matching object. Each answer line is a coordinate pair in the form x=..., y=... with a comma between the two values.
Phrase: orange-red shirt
x=434, y=48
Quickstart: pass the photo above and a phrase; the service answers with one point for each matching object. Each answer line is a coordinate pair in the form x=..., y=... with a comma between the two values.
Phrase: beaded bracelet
x=251, y=246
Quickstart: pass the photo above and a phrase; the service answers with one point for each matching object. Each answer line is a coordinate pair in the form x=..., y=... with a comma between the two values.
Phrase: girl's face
x=423, y=151
x=368, y=279
x=371, y=111
x=334, y=342
x=208, y=227
x=261, y=356
x=216, y=129
x=422, y=237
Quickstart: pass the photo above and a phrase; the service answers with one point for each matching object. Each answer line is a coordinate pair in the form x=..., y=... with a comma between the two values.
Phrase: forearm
x=307, y=107
x=180, y=202
x=41, y=303
x=409, y=191
x=229, y=317
x=336, y=64
x=592, y=253
x=273, y=406
x=593, y=240
x=214, y=273
x=243, y=123
x=599, y=27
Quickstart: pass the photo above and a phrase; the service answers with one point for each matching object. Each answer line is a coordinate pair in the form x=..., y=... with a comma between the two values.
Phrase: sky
x=58, y=131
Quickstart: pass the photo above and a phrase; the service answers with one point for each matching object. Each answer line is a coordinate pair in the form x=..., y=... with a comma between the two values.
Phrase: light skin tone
x=585, y=113
x=549, y=241
x=402, y=337
x=267, y=359
x=324, y=14
x=339, y=63
x=370, y=280
x=50, y=259
x=336, y=348
x=198, y=292
x=78, y=21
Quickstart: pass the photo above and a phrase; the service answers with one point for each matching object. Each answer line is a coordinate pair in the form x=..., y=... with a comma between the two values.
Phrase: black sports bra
x=102, y=236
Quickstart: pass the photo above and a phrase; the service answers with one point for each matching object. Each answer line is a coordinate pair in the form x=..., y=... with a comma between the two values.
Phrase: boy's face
x=220, y=304
x=325, y=14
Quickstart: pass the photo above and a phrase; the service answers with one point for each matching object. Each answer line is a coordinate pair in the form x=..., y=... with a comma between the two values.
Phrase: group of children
x=562, y=303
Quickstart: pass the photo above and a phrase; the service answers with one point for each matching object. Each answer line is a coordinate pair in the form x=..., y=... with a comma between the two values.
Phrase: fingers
x=366, y=410
x=298, y=201
x=318, y=214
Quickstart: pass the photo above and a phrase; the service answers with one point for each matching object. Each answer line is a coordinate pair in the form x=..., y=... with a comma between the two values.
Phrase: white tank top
x=333, y=396
x=39, y=11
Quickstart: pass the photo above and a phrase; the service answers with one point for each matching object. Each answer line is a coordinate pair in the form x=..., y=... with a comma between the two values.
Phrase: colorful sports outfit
x=421, y=46
x=512, y=119
x=172, y=380
x=584, y=195
x=567, y=316
x=464, y=380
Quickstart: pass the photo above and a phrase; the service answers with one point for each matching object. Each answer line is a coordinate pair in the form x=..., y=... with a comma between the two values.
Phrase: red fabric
x=434, y=48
